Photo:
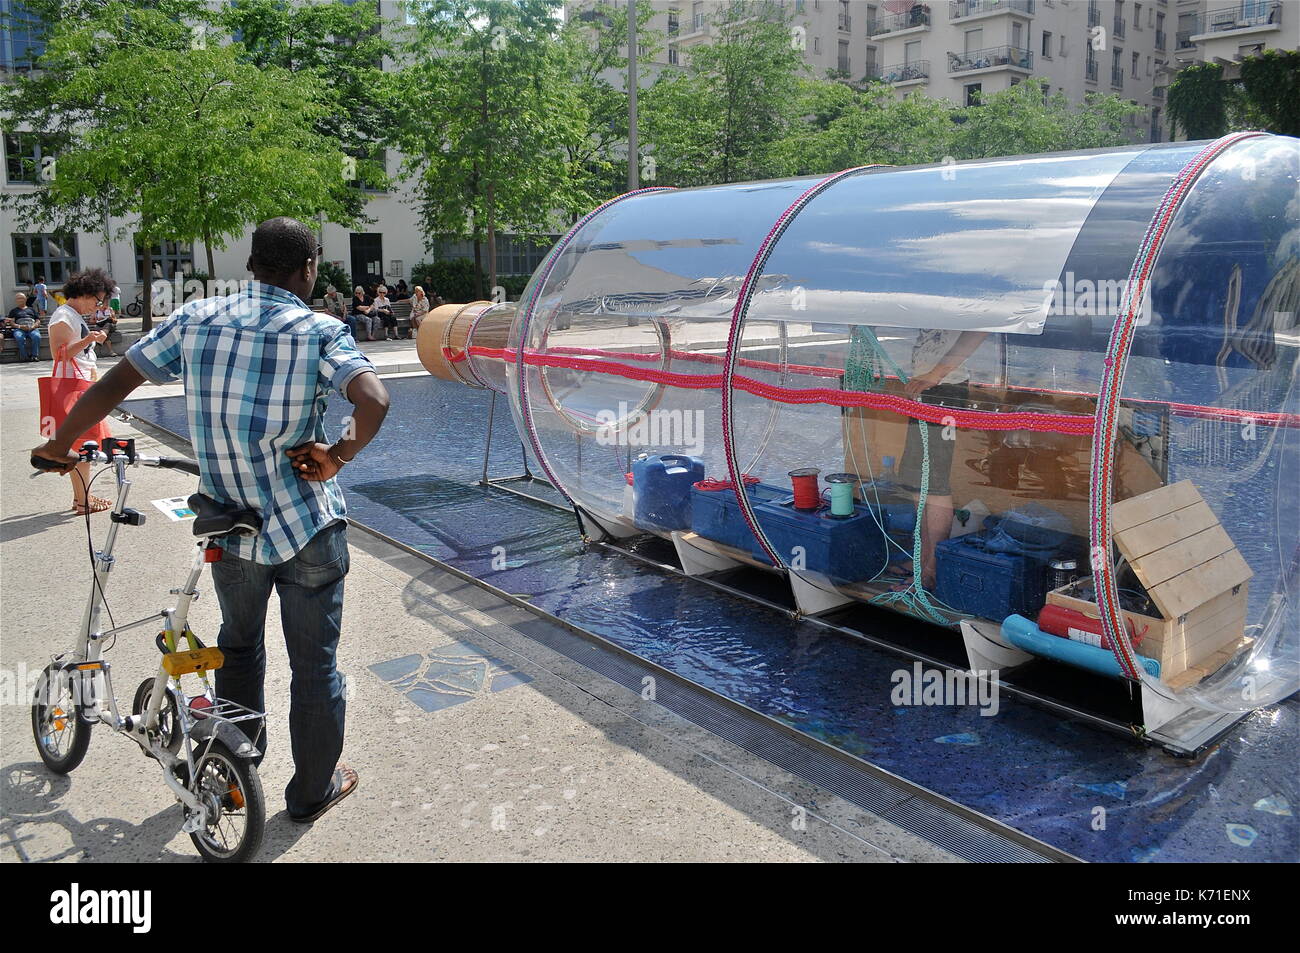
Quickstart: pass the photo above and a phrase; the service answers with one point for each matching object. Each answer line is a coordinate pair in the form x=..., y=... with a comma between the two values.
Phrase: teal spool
x=842, y=486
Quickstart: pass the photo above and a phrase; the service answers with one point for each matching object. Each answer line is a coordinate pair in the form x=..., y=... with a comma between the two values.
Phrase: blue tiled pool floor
x=1085, y=791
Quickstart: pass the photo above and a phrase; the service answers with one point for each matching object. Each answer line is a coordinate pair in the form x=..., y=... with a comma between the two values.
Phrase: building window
x=673, y=25
x=1047, y=44
x=52, y=257
x=1137, y=58
x=817, y=44
x=26, y=154
x=1137, y=16
x=973, y=93
x=169, y=260
x=672, y=56
x=514, y=255
x=359, y=182
x=21, y=44
x=842, y=63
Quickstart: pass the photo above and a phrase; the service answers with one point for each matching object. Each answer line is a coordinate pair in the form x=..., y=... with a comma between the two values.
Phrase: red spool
x=807, y=493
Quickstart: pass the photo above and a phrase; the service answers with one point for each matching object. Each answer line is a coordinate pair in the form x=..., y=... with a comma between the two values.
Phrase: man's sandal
x=345, y=781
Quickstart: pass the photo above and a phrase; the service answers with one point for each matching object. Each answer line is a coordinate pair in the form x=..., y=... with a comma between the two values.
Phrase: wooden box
x=1193, y=573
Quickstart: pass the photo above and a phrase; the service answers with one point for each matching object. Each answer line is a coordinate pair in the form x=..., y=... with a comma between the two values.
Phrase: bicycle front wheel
x=62, y=737
x=230, y=789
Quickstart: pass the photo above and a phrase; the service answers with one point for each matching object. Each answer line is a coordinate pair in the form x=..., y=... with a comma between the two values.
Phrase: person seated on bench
x=358, y=316
x=24, y=326
x=382, y=313
x=419, y=307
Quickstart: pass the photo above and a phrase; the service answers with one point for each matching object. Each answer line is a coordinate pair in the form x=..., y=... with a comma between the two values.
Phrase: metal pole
x=633, y=179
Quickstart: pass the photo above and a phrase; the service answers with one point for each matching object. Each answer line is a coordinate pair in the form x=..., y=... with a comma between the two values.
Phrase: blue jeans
x=28, y=343
x=310, y=586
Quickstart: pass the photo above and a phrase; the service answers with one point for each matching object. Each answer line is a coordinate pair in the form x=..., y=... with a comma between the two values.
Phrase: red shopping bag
x=58, y=392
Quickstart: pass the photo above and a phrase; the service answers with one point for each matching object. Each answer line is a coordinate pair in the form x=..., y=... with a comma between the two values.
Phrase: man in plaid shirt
x=257, y=367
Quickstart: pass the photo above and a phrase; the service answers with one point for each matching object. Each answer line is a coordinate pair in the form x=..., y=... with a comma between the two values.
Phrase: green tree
x=1024, y=120
x=51, y=99
x=595, y=43
x=496, y=117
x=1198, y=102
x=159, y=118
x=842, y=126
x=341, y=46
x=723, y=117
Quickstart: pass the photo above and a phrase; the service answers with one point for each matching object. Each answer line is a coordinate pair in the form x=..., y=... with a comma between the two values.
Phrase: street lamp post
x=633, y=181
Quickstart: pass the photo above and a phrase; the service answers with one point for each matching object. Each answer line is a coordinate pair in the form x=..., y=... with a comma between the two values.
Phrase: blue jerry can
x=662, y=489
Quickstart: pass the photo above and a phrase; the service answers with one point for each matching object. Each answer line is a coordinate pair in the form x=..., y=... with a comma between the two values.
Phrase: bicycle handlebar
x=141, y=460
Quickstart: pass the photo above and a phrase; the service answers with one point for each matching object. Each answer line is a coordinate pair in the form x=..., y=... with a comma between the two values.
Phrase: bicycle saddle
x=220, y=519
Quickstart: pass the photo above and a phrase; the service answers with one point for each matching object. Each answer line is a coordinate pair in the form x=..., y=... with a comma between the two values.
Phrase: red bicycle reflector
x=200, y=703
x=212, y=554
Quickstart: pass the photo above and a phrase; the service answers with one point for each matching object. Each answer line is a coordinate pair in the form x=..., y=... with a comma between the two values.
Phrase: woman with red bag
x=72, y=342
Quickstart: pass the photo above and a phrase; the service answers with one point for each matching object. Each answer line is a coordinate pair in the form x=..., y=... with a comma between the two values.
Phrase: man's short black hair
x=281, y=246
x=91, y=281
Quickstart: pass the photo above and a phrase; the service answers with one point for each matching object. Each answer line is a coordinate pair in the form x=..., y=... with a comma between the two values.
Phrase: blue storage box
x=846, y=550
x=661, y=487
x=972, y=578
x=715, y=515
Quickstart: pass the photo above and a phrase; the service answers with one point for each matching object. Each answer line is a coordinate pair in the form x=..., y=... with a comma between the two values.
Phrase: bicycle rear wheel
x=62, y=737
x=232, y=792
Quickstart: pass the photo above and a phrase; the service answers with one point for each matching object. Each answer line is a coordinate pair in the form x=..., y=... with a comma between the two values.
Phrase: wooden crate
x=1193, y=573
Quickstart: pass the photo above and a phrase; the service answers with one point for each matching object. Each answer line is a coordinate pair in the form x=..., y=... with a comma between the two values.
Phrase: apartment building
x=1212, y=31
x=962, y=50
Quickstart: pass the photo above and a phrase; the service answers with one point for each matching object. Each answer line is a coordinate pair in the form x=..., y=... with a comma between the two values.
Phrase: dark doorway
x=367, y=259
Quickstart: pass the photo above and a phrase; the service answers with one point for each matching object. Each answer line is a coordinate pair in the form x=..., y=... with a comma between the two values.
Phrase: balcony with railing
x=846, y=22
x=1090, y=71
x=917, y=17
x=1248, y=15
x=1117, y=77
x=1117, y=26
x=1183, y=40
x=1160, y=40
x=917, y=71
x=995, y=57
x=962, y=9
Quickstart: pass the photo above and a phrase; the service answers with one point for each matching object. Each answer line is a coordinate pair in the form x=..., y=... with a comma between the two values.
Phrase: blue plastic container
x=715, y=515
x=974, y=579
x=662, y=490
x=845, y=549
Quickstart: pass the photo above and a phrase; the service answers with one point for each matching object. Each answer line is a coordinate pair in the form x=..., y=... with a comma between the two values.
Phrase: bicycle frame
x=87, y=665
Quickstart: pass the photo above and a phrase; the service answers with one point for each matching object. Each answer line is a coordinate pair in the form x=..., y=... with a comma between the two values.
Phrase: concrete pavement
x=560, y=764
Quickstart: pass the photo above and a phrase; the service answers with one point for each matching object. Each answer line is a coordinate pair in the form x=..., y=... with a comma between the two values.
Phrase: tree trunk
x=491, y=237
x=478, y=269
x=207, y=243
x=146, y=319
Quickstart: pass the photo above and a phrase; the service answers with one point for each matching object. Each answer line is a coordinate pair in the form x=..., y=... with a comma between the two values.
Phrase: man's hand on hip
x=313, y=461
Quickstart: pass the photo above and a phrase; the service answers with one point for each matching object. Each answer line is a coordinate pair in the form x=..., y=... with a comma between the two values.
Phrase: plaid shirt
x=258, y=366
